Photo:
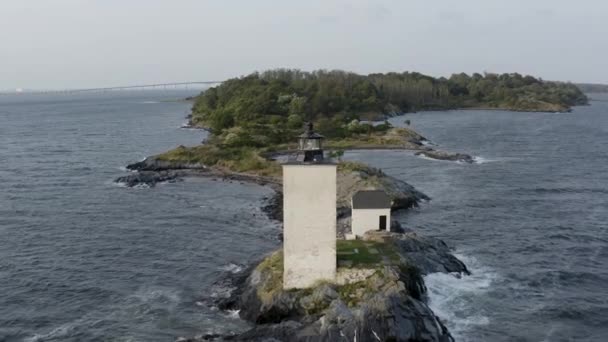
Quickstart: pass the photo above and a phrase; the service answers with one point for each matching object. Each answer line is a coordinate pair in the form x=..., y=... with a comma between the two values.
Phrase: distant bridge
x=108, y=89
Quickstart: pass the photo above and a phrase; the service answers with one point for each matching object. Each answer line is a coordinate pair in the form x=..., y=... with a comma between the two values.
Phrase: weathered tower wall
x=309, y=220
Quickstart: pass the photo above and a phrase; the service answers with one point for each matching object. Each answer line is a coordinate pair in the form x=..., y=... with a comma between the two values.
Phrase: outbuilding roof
x=371, y=199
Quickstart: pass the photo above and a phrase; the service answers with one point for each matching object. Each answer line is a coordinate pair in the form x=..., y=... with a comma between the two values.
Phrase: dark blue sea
x=84, y=259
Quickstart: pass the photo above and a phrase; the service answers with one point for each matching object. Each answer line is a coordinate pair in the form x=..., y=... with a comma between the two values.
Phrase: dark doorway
x=383, y=222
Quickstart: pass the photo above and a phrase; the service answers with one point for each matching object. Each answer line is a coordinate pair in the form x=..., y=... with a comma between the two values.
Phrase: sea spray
x=451, y=296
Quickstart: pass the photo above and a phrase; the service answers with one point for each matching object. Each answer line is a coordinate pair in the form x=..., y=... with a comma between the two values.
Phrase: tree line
x=272, y=104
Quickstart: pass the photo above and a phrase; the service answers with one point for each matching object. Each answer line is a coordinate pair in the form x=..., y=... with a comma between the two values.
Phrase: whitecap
x=119, y=184
x=232, y=268
x=233, y=314
x=453, y=298
x=482, y=160
x=157, y=295
x=422, y=156
x=61, y=331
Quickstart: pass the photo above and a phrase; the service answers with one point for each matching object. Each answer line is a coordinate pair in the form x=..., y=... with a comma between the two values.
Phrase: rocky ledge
x=442, y=155
x=379, y=295
x=352, y=177
x=149, y=178
x=155, y=164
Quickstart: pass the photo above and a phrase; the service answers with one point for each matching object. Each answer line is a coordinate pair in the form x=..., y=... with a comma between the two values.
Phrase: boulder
x=442, y=155
x=430, y=255
x=149, y=178
x=155, y=164
x=353, y=177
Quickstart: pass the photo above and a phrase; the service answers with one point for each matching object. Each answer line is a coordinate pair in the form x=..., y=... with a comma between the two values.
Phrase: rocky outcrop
x=354, y=177
x=429, y=254
x=148, y=178
x=388, y=304
x=442, y=155
x=155, y=164
x=153, y=170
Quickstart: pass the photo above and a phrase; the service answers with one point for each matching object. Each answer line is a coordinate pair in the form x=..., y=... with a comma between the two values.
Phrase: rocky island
x=378, y=293
x=253, y=119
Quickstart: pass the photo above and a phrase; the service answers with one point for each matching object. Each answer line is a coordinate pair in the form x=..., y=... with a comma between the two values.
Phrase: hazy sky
x=82, y=43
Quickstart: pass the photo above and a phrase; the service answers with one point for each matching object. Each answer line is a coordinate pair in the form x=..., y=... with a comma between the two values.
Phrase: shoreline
x=421, y=255
x=350, y=309
x=153, y=170
x=383, y=117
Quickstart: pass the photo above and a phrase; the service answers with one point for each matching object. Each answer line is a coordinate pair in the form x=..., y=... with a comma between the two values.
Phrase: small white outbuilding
x=371, y=210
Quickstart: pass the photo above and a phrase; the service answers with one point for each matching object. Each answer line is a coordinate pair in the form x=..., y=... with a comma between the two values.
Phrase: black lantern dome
x=310, y=145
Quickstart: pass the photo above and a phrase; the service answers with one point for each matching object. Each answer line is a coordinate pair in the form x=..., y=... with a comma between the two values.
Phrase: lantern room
x=310, y=146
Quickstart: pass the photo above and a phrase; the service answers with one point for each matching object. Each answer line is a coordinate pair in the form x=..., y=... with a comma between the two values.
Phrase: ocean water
x=530, y=219
x=83, y=259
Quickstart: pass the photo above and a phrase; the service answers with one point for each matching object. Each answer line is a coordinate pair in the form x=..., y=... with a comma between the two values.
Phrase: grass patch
x=364, y=257
x=358, y=253
x=271, y=267
x=349, y=166
x=235, y=159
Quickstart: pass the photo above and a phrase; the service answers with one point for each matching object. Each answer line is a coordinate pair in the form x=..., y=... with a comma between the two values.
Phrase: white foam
x=118, y=184
x=434, y=159
x=233, y=314
x=150, y=295
x=482, y=160
x=452, y=297
x=149, y=102
x=61, y=331
x=232, y=268
x=427, y=158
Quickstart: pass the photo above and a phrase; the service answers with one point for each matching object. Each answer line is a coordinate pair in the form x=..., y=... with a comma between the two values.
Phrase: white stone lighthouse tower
x=309, y=215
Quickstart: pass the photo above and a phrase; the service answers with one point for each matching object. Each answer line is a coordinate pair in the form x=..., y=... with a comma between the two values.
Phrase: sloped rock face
x=354, y=177
x=430, y=255
x=350, y=180
x=388, y=305
x=384, y=308
x=155, y=164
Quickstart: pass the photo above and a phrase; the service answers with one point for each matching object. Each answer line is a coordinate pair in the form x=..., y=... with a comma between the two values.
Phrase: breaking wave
x=57, y=333
x=482, y=160
x=451, y=297
x=232, y=268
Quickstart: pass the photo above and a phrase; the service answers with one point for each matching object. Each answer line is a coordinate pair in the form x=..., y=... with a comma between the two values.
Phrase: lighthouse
x=309, y=214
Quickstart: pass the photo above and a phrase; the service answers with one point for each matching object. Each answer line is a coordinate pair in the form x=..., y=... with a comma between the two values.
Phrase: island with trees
x=253, y=121
x=284, y=98
x=253, y=118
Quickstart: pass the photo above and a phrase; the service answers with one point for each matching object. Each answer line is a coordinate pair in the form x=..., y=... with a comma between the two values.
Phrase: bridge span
x=108, y=89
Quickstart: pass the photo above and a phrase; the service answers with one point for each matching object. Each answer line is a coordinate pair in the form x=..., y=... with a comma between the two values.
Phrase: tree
x=338, y=154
